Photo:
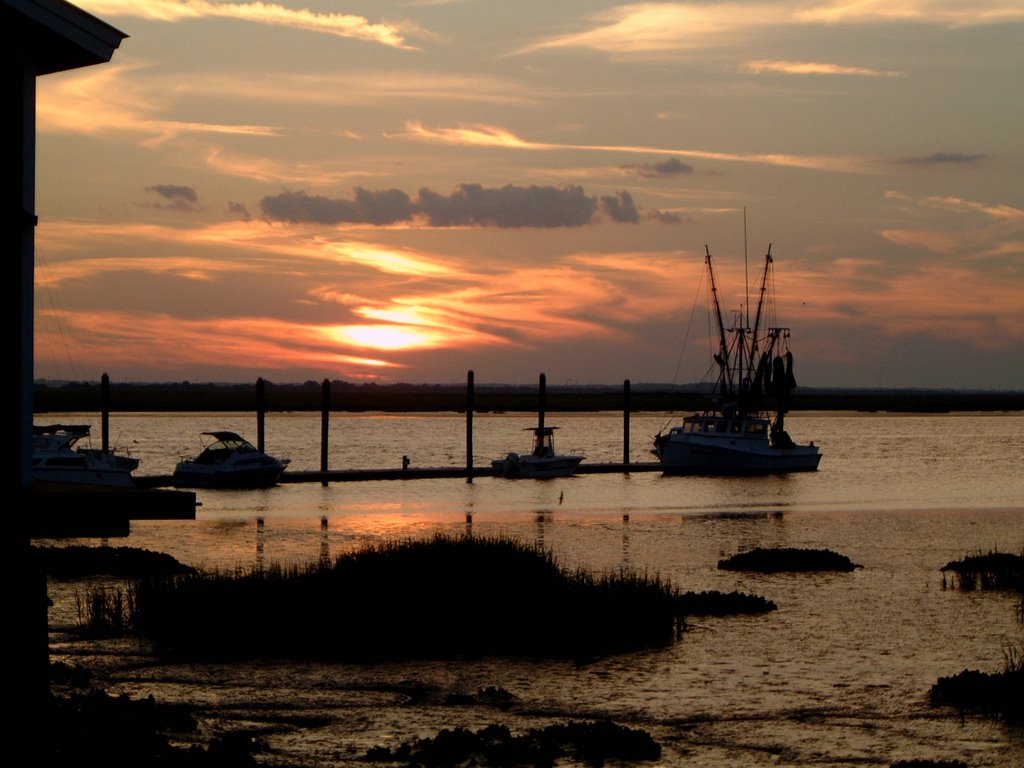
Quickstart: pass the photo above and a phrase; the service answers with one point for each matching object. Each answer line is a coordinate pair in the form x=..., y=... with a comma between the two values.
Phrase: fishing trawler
x=742, y=430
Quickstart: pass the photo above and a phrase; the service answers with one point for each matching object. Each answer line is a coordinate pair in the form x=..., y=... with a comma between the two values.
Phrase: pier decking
x=409, y=473
x=68, y=510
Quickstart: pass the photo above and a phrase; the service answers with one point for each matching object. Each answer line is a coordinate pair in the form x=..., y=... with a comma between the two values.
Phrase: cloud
x=469, y=205
x=240, y=210
x=182, y=199
x=474, y=135
x=107, y=102
x=620, y=207
x=664, y=217
x=944, y=158
x=494, y=136
x=669, y=28
x=340, y=24
x=815, y=68
x=174, y=192
x=671, y=167
x=953, y=204
x=658, y=27
x=939, y=12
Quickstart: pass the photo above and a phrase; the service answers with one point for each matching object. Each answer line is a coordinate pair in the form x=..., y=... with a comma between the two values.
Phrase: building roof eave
x=57, y=35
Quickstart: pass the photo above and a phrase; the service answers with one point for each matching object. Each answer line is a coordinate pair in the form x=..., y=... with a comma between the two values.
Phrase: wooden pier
x=68, y=510
x=289, y=477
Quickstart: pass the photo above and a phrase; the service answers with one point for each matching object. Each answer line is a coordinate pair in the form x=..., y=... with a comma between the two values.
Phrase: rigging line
x=686, y=335
x=58, y=317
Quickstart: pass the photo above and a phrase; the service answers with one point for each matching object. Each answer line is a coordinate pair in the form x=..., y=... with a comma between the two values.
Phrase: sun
x=387, y=337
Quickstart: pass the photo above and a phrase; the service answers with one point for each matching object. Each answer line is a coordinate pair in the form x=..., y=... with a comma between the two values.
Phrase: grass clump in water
x=996, y=694
x=787, y=559
x=446, y=597
x=994, y=570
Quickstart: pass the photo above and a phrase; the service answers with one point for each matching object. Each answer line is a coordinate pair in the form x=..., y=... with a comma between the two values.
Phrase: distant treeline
x=84, y=397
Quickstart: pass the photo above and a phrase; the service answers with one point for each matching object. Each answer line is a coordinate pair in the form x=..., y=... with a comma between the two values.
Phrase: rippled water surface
x=838, y=675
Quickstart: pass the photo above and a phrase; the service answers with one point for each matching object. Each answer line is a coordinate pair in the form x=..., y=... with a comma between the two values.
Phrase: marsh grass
x=993, y=570
x=996, y=694
x=443, y=597
x=582, y=743
x=105, y=611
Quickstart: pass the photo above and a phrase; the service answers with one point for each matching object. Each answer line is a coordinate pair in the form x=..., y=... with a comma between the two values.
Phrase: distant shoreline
x=410, y=398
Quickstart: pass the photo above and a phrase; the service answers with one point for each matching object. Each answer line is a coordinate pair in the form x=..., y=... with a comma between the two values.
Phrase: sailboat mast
x=746, y=271
x=722, y=358
x=760, y=305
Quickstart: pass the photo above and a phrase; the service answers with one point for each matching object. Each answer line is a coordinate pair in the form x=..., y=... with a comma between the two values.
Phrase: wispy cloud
x=660, y=169
x=107, y=103
x=357, y=85
x=651, y=28
x=941, y=12
x=944, y=158
x=340, y=24
x=815, y=68
x=955, y=204
x=494, y=136
x=256, y=343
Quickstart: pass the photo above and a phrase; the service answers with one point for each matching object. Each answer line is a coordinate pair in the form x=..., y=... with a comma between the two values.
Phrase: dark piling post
x=325, y=415
x=470, y=406
x=260, y=413
x=625, y=422
x=105, y=411
x=541, y=400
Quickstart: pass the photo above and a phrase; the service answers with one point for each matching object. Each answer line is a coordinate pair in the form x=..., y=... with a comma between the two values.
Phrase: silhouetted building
x=40, y=37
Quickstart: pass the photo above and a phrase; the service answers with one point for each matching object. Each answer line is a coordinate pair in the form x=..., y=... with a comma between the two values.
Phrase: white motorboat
x=742, y=430
x=56, y=458
x=228, y=460
x=542, y=462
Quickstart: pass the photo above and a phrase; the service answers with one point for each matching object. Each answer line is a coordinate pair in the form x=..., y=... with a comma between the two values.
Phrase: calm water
x=838, y=675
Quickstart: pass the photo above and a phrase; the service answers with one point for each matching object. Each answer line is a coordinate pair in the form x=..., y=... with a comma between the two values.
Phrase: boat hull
x=515, y=466
x=111, y=478
x=190, y=475
x=689, y=454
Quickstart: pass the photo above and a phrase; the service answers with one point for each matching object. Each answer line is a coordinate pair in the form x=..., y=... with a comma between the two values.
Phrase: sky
x=402, y=192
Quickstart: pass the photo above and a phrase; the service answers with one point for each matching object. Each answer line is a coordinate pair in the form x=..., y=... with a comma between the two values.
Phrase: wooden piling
x=470, y=406
x=325, y=416
x=261, y=412
x=625, y=422
x=541, y=400
x=105, y=411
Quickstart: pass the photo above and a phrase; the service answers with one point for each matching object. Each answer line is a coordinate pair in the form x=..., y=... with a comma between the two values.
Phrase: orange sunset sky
x=403, y=191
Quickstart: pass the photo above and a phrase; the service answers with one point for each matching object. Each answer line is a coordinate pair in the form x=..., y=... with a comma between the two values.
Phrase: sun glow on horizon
x=387, y=337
